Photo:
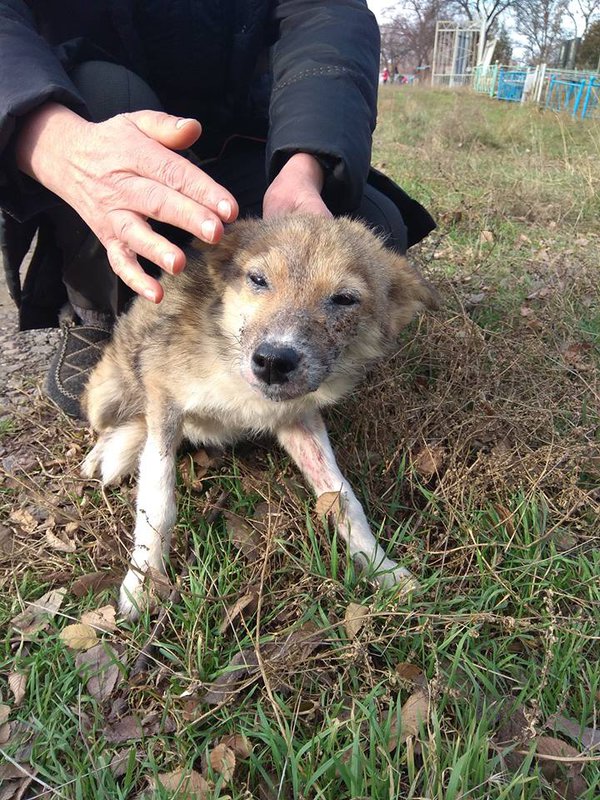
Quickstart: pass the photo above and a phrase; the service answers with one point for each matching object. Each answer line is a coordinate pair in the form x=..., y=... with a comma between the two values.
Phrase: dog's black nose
x=273, y=364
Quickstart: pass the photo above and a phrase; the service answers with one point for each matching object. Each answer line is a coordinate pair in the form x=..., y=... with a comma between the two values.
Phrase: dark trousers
x=110, y=89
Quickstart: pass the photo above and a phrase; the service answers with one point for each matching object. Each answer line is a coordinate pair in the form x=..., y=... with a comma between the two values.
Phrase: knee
x=110, y=89
x=384, y=217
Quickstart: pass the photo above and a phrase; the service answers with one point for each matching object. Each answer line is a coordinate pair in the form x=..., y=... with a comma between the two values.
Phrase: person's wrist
x=306, y=167
x=42, y=141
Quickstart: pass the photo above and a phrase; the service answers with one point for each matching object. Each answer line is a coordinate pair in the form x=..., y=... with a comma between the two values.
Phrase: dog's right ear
x=220, y=258
x=409, y=292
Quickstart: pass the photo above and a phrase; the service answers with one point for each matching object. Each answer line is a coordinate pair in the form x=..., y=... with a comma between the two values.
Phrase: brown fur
x=187, y=363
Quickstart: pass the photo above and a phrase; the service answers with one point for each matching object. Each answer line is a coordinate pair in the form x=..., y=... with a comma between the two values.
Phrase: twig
x=145, y=653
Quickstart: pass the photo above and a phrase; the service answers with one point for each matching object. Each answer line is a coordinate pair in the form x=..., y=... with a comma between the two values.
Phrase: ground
x=277, y=671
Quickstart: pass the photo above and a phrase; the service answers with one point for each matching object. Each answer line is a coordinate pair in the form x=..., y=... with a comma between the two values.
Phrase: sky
x=379, y=6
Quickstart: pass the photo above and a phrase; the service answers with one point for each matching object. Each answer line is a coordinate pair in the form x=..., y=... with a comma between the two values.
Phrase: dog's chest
x=224, y=409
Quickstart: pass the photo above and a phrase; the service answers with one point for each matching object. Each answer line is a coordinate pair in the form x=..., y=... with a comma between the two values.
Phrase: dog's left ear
x=409, y=292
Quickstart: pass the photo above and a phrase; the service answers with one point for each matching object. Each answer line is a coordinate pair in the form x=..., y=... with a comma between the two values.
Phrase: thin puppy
x=260, y=333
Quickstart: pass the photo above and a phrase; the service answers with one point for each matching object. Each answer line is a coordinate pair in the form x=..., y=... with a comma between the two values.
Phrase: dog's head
x=306, y=303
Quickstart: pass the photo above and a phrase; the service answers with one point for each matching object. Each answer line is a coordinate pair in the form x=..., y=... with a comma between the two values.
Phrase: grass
x=500, y=387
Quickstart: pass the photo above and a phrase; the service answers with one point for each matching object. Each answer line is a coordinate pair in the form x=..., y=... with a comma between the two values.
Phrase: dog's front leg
x=308, y=444
x=156, y=509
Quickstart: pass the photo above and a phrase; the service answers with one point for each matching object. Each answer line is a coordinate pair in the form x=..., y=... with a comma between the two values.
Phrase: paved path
x=24, y=356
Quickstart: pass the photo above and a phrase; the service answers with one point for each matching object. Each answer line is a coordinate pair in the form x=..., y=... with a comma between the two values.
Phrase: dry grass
x=479, y=458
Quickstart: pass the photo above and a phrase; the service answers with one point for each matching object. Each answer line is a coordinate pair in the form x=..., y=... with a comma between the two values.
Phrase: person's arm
x=324, y=98
x=30, y=76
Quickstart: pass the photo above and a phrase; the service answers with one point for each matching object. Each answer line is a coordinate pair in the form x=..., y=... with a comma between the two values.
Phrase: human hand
x=120, y=173
x=296, y=189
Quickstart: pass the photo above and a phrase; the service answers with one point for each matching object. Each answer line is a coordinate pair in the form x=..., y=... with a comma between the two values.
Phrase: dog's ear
x=409, y=292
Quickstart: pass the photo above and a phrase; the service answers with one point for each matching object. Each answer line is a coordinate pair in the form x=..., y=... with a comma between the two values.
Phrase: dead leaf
x=24, y=520
x=329, y=503
x=354, y=619
x=429, y=460
x=243, y=536
x=102, y=619
x=526, y=311
x=589, y=737
x=78, y=636
x=185, y=785
x=243, y=665
x=18, y=685
x=101, y=667
x=38, y=614
x=486, y=237
x=248, y=602
x=120, y=761
x=222, y=761
x=411, y=673
x=7, y=542
x=193, y=468
x=128, y=727
x=240, y=744
x=413, y=714
x=4, y=723
x=94, y=582
x=62, y=544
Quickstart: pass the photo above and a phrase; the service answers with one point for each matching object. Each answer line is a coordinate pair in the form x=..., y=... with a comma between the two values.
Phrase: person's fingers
x=126, y=266
x=154, y=200
x=176, y=133
x=177, y=173
x=134, y=232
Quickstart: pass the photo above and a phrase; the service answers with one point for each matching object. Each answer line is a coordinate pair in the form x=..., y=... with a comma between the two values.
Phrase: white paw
x=133, y=598
x=391, y=575
x=90, y=467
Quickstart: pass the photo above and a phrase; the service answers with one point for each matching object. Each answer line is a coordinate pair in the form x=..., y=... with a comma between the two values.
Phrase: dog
x=258, y=334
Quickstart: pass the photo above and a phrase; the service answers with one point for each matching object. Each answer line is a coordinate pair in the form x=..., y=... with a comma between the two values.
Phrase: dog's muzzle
x=274, y=364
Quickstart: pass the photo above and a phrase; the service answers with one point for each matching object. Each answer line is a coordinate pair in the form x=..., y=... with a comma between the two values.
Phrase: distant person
x=385, y=75
x=97, y=99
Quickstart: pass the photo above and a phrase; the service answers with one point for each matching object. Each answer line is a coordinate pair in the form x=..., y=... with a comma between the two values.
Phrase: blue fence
x=578, y=96
x=511, y=83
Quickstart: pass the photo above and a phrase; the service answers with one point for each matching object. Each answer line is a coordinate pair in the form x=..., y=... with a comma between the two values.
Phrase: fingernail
x=150, y=295
x=224, y=209
x=208, y=229
x=169, y=261
x=181, y=122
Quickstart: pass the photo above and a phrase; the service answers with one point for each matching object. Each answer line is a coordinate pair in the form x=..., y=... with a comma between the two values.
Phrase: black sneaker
x=78, y=353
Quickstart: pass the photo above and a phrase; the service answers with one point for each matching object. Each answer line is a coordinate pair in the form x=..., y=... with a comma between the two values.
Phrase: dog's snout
x=273, y=363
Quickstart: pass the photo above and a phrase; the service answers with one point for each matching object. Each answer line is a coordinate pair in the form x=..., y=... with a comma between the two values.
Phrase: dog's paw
x=390, y=575
x=133, y=598
x=143, y=590
x=90, y=466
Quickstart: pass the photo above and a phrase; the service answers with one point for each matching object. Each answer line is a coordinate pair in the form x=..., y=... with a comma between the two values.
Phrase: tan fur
x=184, y=369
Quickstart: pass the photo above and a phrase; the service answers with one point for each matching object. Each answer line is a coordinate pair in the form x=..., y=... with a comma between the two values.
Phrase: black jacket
x=302, y=73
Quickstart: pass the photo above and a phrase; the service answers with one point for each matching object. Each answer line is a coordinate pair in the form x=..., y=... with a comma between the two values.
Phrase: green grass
x=503, y=539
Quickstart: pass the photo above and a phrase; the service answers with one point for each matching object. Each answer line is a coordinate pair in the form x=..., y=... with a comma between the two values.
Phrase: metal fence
x=569, y=91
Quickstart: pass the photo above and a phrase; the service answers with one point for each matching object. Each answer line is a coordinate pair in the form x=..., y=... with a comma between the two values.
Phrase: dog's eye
x=257, y=279
x=344, y=299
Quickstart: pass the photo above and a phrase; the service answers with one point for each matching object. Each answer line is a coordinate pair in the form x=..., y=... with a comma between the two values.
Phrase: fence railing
x=570, y=91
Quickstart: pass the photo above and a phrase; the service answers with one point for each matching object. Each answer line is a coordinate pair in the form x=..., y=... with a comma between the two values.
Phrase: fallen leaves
x=101, y=619
x=4, y=724
x=413, y=715
x=354, y=619
x=428, y=461
x=243, y=536
x=17, y=682
x=38, y=614
x=79, y=637
x=182, y=784
x=329, y=503
x=244, y=667
x=100, y=666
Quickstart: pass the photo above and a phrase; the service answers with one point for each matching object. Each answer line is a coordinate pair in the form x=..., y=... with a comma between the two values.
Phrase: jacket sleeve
x=30, y=75
x=324, y=99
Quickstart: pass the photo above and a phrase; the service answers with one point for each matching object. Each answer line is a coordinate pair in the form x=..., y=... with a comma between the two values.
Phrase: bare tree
x=541, y=23
x=582, y=14
x=409, y=34
x=488, y=11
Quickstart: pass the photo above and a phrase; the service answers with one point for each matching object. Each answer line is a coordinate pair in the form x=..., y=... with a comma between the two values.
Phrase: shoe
x=78, y=353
